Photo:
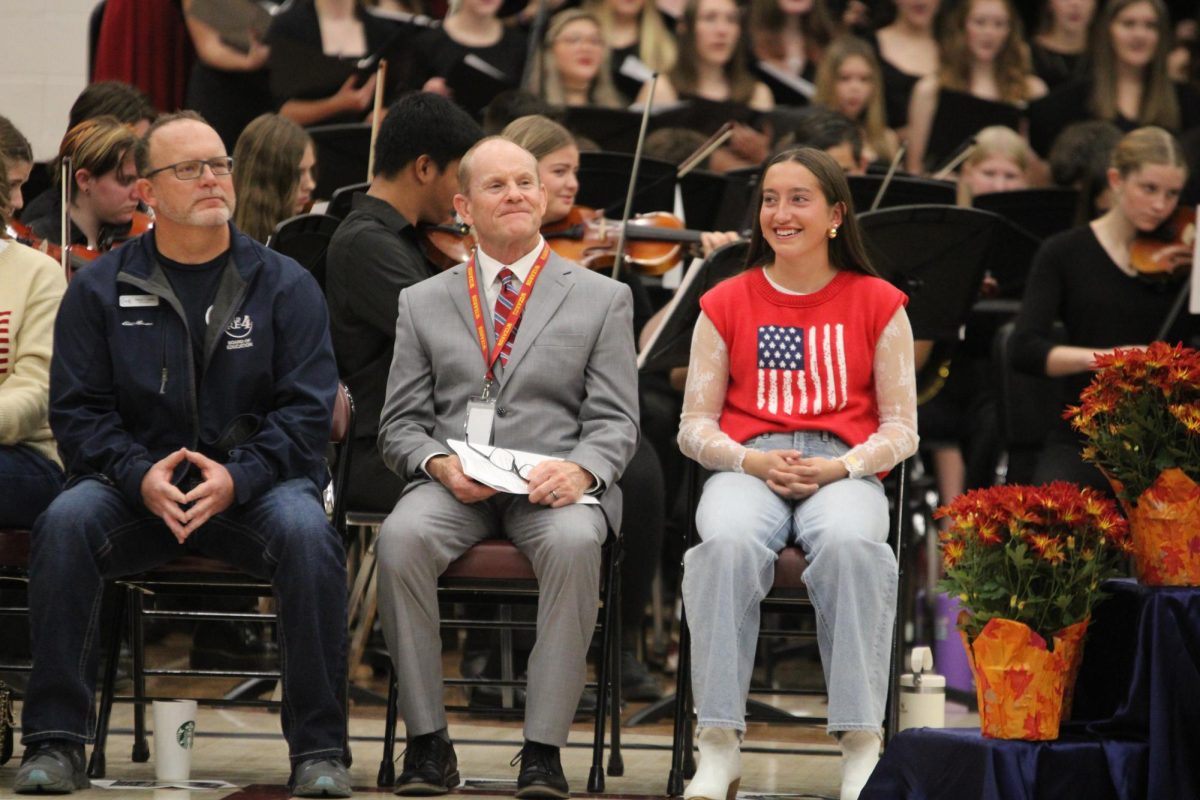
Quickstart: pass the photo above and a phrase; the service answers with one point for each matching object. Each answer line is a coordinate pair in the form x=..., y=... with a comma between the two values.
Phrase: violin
x=654, y=242
x=80, y=255
x=446, y=245
x=1155, y=255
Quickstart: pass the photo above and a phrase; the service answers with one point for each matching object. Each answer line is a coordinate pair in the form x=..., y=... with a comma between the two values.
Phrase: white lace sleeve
x=896, y=396
x=700, y=435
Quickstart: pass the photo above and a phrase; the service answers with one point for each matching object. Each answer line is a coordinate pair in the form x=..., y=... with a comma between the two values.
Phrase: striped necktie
x=504, y=306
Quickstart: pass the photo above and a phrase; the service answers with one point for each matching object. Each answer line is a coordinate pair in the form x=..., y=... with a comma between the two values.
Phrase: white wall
x=43, y=66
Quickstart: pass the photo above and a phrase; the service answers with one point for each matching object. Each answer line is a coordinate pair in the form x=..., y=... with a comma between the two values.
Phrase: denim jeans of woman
x=28, y=482
x=851, y=580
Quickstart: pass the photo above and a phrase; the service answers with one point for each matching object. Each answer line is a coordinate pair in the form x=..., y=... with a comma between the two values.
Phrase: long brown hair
x=1159, y=104
x=266, y=173
x=846, y=252
x=1013, y=64
x=656, y=44
x=872, y=124
x=685, y=77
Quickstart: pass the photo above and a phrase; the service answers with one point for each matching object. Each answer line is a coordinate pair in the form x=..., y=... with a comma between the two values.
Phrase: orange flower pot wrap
x=1165, y=527
x=1024, y=690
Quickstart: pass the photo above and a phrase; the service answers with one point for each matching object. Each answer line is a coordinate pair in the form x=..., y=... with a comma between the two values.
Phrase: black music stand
x=672, y=344
x=343, y=198
x=938, y=256
x=604, y=182
x=1041, y=212
x=718, y=202
x=960, y=116
x=901, y=191
x=343, y=152
x=305, y=238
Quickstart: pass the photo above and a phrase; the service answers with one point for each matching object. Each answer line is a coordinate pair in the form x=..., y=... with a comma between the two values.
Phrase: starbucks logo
x=185, y=734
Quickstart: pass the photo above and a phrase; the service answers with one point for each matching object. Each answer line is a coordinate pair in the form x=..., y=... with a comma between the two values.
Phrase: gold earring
x=833, y=232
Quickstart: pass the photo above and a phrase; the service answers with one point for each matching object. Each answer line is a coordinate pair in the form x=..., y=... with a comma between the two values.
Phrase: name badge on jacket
x=138, y=300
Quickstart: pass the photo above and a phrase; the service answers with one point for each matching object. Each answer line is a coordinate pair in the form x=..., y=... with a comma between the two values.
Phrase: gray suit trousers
x=427, y=530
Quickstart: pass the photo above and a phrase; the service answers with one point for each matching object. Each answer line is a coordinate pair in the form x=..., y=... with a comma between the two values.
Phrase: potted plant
x=1026, y=564
x=1141, y=418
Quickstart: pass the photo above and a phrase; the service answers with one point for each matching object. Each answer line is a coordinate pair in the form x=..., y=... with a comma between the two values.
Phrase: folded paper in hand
x=477, y=466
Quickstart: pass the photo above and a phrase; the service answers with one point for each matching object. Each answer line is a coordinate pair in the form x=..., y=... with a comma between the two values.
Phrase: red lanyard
x=513, y=316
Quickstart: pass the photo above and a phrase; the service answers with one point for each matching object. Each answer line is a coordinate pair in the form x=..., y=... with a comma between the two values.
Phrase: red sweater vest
x=801, y=362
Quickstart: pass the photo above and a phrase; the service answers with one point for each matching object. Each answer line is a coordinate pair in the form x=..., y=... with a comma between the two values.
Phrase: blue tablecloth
x=1135, y=730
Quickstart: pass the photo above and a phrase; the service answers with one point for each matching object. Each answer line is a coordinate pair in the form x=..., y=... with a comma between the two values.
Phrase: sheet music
x=634, y=67
x=794, y=82
x=477, y=467
x=693, y=269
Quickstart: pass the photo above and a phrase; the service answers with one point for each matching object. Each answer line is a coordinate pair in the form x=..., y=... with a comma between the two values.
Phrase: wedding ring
x=554, y=494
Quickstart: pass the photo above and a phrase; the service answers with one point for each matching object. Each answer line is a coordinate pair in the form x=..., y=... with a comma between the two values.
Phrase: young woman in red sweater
x=800, y=393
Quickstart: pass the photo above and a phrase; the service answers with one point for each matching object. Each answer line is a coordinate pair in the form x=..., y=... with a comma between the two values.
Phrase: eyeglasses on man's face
x=193, y=169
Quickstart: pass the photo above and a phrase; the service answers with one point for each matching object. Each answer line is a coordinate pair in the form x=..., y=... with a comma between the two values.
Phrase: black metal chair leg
x=98, y=763
x=616, y=763
x=596, y=774
x=683, y=711
x=387, y=765
x=137, y=641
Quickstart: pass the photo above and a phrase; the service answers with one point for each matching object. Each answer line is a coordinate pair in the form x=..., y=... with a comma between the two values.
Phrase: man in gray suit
x=551, y=370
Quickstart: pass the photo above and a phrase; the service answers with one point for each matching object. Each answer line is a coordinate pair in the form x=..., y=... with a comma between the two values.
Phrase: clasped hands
x=551, y=483
x=184, y=513
x=790, y=474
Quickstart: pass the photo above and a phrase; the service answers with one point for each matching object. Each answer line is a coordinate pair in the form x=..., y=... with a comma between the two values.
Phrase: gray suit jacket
x=569, y=389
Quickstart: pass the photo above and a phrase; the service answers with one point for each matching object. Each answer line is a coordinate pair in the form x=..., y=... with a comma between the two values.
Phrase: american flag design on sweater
x=5, y=341
x=801, y=370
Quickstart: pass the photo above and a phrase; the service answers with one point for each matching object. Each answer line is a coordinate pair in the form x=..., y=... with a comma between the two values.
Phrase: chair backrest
x=343, y=197
x=343, y=151
x=306, y=238
x=340, y=435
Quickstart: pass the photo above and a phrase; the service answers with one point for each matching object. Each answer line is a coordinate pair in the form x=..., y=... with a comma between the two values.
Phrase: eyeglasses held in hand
x=502, y=459
x=192, y=170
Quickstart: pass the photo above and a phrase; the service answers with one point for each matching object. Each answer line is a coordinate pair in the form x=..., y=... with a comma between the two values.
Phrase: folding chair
x=191, y=576
x=306, y=238
x=788, y=592
x=494, y=571
x=343, y=197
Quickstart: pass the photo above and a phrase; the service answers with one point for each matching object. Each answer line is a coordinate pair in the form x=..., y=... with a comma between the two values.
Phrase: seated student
x=635, y=31
x=31, y=287
x=105, y=98
x=274, y=168
x=908, y=51
x=984, y=55
x=560, y=379
x=103, y=194
x=1086, y=278
x=572, y=64
x=336, y=28
x=379, y=250
x=1127, y=84
x=849, y=82
x=826, y=129
x=16, y=163
x=163, y=463
x=795, y=451
x=1061, y=41
x=1079, y=160
x=471, y=28
x=999, y=162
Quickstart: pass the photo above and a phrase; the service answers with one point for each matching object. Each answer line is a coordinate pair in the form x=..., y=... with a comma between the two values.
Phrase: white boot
x=860, y=753
x=720, y=768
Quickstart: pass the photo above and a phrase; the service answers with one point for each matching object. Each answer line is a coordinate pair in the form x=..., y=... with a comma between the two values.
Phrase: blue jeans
x=851, y=580
x=91, y=534
x=30, y=481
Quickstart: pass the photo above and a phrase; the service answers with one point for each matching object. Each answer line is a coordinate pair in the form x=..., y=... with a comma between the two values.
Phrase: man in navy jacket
x=192, y=389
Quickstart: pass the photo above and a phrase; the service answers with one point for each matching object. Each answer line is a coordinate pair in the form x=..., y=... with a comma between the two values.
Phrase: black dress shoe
x=430, y=767
x=541, y=772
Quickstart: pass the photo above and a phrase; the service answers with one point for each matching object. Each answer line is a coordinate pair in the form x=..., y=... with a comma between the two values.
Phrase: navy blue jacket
x=122, y=382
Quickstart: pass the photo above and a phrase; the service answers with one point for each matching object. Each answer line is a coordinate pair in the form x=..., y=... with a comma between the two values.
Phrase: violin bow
x=380, y=76
x=637, y=162
x=962, y=156
x=705, y=150
x=533, y=50
x=68, y=178
x=887, y=179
